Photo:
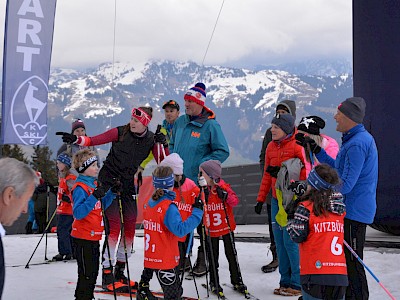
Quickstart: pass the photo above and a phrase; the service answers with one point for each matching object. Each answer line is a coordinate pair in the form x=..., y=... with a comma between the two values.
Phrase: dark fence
x=244, y=180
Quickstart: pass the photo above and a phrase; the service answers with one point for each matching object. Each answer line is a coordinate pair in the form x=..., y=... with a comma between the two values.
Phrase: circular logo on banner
x=29, y=111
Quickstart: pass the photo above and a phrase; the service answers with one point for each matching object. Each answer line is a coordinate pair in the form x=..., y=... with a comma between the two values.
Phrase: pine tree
x=14, y=151
x=42, y=162
x=18, y=153
x=6, y=150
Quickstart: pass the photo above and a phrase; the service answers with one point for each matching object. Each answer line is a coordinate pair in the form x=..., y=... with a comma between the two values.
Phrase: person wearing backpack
x=282, y=148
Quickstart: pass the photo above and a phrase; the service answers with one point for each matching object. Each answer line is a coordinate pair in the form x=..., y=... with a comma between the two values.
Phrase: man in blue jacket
x=357, y=165
x=197, y=137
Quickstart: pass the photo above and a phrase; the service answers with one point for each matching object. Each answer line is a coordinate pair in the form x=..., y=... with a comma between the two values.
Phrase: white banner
x=28, y=43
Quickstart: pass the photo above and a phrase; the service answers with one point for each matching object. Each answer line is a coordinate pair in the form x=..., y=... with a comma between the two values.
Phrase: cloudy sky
x=249, y=32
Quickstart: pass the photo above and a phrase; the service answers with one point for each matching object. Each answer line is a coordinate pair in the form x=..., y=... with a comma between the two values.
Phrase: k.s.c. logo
x=28, y=111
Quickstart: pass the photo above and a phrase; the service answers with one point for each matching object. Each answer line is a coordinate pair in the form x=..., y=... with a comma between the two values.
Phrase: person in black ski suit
x=131, y=144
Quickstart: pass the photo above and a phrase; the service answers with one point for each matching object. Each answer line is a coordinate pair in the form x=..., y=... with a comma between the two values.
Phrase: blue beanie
x=65, y=159
x=284, y=122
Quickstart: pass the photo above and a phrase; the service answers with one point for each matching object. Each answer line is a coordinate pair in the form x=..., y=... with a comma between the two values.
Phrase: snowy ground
x=56, y=280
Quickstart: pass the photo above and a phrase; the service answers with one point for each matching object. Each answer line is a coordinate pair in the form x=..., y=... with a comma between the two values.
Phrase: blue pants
x=288, y=252
x=64, y=228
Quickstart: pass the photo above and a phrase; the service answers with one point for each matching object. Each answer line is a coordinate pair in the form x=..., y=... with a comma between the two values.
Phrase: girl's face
x=209, y=181
x=60, y=166
x=136, y=126
x=79, y=131
x=277, y=133
x=92, y=171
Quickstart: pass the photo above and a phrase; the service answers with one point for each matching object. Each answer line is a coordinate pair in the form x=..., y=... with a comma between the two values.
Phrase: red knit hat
x=197, y=94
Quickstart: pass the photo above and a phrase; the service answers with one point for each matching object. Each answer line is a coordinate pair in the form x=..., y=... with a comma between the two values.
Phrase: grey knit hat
x=353, y=108
x=284, y=122
x=212, y=168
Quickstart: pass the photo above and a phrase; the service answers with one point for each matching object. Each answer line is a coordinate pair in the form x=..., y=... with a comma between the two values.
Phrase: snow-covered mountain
x=243, y=100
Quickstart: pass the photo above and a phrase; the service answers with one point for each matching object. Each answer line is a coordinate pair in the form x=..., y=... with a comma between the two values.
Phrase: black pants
x=41, y=220
x=169, y=281
x=182, y=251
x=230, y=256
x=88, y=259
x=354, y=235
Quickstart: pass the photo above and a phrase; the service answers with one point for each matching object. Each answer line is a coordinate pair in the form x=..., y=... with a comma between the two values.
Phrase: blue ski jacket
x=197, y=140
x=357, y=165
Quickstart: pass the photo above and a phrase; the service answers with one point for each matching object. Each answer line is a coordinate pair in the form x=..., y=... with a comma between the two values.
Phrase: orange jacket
x=275, y=155
x=64, y=208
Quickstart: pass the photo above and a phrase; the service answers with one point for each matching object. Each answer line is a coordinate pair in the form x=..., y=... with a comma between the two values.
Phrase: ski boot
x=274, y=264
x=144, y=292
x=217, y=290
x=120, y=276
x=109, y=283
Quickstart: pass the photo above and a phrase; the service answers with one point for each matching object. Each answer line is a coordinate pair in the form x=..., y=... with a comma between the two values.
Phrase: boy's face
x=92, y=170
x=171, y=114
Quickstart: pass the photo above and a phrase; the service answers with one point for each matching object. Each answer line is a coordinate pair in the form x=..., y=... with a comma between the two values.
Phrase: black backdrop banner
x=376, y=67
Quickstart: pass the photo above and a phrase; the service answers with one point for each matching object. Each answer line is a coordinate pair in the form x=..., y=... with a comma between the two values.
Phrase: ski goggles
x=141, y=116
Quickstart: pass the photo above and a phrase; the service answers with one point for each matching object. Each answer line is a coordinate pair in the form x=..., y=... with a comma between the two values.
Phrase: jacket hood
x=290, y=105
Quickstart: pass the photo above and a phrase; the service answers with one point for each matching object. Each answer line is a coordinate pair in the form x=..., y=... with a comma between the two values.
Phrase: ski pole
x=47, y=220
x=209, y=239
x=368, y=269
x=107, y=246
x=124, y=241
x=232, y=239
x=190, y=263
x=136, y=197
x=45, y=230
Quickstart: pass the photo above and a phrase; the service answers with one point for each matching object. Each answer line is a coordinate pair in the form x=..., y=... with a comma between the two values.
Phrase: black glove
x=198, y=203
x=65, y=198
x=304, y=141
x=273, y=170
x=298, y=188
x=222, y=194
x=258, y=208
x=67, y=137
x=160, y=137
x=117, y=186
x=99, y=192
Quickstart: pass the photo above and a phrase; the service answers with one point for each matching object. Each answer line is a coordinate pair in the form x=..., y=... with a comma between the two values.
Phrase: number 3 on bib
x=147, y=244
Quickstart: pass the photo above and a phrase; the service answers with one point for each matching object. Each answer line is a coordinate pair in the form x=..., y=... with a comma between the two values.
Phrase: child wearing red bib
x=163, y=226
x=317, y=224
x=220, y=222
x=186, y=192
x=87, y=228
x=66, y=180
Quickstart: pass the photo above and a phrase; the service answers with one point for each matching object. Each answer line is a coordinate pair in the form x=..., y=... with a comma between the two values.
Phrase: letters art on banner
x=26, y=68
